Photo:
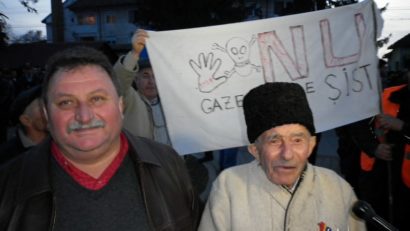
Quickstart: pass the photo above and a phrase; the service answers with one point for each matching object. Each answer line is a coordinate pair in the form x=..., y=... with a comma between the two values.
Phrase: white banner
x=203, y=73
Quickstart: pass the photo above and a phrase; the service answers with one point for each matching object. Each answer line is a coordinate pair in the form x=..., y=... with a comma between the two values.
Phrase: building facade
x=114, y=21
x=104, y=21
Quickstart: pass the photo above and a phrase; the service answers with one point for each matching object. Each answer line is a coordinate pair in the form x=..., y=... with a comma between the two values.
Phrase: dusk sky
x=396, y=18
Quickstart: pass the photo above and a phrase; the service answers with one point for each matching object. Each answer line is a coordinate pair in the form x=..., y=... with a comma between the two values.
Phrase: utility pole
x=57, y=17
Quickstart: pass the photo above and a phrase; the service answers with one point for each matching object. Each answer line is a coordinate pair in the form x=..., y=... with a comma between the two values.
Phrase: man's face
x=283, y=152
x=84, y=112
x=146, y=83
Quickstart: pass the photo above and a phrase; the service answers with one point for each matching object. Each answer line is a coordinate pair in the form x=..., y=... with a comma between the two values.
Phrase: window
x=87, y=19
x=110, y=19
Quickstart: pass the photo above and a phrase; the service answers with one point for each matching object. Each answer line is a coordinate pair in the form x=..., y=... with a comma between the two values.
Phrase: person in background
x=150, y=121
x=279, y=190
x=385, y=179
x=31, y=127
x=352, y=140
x=143, y=114
x=91, y=174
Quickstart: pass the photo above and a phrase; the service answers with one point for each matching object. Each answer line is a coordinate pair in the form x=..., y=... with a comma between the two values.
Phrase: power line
x=27, y=26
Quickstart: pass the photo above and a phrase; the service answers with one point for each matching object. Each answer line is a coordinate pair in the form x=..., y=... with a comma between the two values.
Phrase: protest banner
x=203, y=73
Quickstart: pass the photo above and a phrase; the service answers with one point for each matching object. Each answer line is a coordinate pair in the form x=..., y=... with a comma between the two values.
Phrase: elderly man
x=91, y=175
x=279, y=190
x=31, y=129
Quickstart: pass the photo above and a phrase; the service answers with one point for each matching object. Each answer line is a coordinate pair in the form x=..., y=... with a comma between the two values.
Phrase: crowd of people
x=14, y=81
x=91, y=151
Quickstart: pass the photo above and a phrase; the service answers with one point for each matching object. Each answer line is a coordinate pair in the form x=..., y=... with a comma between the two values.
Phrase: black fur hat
x=274, y=104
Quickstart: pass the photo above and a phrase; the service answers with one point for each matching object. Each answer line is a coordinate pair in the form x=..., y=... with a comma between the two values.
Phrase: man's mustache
x=76, y=126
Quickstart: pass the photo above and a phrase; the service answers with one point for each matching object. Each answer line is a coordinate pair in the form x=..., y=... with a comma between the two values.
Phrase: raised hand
x=138, y=41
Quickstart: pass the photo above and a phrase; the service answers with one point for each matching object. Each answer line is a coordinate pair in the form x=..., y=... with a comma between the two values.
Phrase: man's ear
x=312, y=144
x=25, y=120
x=252, y=149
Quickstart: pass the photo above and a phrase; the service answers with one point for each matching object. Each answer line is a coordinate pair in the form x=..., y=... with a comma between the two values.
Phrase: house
x=399, y=57
x=113, y=21
x=110, y=21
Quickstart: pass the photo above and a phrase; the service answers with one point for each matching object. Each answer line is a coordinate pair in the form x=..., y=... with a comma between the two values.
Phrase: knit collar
x=151, y=102
x=83, y=178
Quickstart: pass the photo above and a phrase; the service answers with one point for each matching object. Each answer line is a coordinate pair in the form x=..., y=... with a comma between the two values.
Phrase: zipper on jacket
x=139, y=171
x=291, y=197
x=53, y=215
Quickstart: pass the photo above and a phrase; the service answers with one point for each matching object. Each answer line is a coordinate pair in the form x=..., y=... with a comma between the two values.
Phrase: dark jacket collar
x=140, y=150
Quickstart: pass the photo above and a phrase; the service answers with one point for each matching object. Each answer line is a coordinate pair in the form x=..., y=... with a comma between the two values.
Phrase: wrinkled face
x=84, y=113
x=146, y=83
x=238, y=50
x=283, y=152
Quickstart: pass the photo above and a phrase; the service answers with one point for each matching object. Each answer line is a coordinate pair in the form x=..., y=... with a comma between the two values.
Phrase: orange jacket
x=366, y=161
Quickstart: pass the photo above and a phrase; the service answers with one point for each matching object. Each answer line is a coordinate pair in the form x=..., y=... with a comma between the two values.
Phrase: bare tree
x=4, y=38
x=29, y=37
x=57, y=15
x=26, y=4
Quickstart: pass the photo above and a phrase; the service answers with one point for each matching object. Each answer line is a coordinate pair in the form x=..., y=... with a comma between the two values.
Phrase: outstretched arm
x=127, y=66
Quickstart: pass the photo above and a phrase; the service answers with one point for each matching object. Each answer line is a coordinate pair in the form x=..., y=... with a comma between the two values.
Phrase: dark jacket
x=11, y=149
x=26, y=195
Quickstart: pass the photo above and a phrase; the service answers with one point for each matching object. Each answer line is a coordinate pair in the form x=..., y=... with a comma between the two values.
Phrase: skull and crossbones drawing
x=238, y=49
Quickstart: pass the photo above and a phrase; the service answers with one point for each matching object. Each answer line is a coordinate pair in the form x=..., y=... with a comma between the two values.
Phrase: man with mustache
x=90, y=174
x=279, y=190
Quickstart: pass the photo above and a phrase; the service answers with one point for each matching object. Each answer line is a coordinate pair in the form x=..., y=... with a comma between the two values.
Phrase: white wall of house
x=112, y=25
x=116, y=27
